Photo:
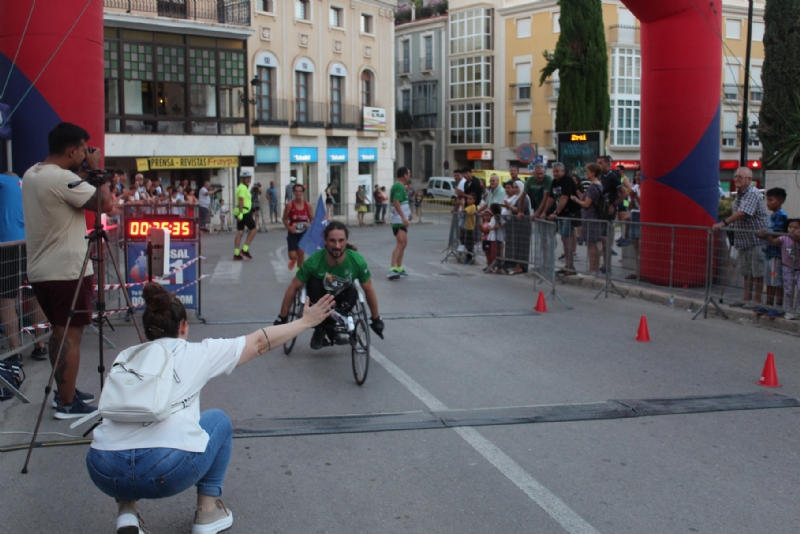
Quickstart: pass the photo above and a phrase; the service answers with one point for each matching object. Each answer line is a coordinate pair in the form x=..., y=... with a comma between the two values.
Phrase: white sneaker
x=129, y=523
x=214, y=521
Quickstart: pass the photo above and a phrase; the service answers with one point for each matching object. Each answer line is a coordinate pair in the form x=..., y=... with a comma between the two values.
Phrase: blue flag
x=312, y=240
x=5, y=123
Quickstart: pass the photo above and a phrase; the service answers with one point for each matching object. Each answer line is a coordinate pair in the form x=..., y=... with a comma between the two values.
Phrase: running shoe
x=292, y=263
x=393, y=275
x=247, y=255
x=238, y=257
x=404, y=274
x=77, y=408
x=82, y=395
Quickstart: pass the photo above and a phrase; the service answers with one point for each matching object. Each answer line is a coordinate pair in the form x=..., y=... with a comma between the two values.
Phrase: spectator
x=418, y=205
x=255, y=199
x=459, y=178
x=616, y=193
x=790, y=264
x=591, y=231
x=458, y=208
x=635, y=226
x=518, y=230
x=778, y=222
x=473, y=185
x=329, y=201
x=224, y=216
x=538, y=190
x=486, y=229
x=288, y=194
x=361, y=204
x=205, y=204
x=562, y=192
x=623, y=212
x=384, y=203
x=470, y=227
x=494, y=193
x=118, y=182
x=376, y=201
x=141, y=186
x=749, y=216
x=272, y=194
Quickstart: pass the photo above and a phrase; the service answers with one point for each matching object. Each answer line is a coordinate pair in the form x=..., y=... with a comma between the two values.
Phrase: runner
x=297, y=217
x=332, y=270
x=244, y=217
x=401, y=214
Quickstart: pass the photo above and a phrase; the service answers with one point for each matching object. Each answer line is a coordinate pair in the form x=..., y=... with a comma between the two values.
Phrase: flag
x=312, y=240
x=5, y=123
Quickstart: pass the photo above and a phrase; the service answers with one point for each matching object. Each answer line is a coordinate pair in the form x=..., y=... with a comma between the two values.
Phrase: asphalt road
x=477, y=348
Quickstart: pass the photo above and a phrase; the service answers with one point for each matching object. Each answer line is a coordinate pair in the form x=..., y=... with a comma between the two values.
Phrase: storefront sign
x=337, y=155
x=268, y=154
x=479, y=155
x=199, y=162
x=303, y=155
x=627, y=163
x=375, y=119
x=142, y=164
x=367, y=154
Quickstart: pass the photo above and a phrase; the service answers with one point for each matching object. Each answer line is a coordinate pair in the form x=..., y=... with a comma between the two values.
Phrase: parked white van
x=441, y=187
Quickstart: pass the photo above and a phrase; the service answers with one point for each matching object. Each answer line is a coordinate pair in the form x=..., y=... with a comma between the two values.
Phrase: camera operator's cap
x=293, y=179
x=245, y=174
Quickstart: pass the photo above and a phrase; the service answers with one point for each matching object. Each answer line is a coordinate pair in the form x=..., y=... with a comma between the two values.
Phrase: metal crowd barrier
x=18, y=306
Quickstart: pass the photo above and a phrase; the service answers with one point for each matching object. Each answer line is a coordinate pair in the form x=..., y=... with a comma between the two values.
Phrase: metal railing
x=222, y=11
x=309, y=114
x=344, y=116
x=404, y=67
x=272, y=112
x=519, y=91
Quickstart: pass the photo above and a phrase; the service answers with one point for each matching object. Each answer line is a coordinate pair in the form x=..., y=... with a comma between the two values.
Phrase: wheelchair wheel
x=359, y=343
x=295, y=312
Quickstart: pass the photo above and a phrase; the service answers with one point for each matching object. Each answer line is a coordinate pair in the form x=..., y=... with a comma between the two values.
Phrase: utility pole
x=746, y=91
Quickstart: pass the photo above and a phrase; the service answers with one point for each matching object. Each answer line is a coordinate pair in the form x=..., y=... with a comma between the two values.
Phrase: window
x=523, y=133
x=264, y=106
x=405, y=50
x=366, y=24
x=302, y=10
x=756, y=89
x=266, y=6
x=523, y=28
x=557, y=22
x=522, y=90
x=730, y=87
x=301, y=96
x=733, y=29
x=471, y=124
x=427, y=45
x=626, y=29
x=425, y=104
x=729, y=134
x=336, y=99
x=471, y=77
x=337, y=17
x=405, y=95
x=626, y=66
x=366, y=88
x=758, y=32
x=471, y=31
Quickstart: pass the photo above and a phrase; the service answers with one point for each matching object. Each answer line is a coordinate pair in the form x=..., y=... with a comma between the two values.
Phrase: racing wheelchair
x=351, y=328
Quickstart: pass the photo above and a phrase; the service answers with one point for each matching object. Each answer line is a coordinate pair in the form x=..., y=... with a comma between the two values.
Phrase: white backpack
x=139, y=386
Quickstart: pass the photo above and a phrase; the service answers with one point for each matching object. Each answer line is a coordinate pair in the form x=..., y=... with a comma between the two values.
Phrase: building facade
x=322, y=94
x=420, y=101
x=176, y=88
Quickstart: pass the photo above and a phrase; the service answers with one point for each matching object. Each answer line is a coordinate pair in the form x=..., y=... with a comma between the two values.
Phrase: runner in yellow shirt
x=244, y=217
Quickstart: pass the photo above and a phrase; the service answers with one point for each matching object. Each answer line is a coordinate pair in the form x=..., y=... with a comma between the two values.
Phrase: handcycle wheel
x=295, y=312
x=359, y=343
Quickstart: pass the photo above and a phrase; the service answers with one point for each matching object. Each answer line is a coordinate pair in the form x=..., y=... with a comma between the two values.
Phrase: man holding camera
x=204, y=200
x=56, y=246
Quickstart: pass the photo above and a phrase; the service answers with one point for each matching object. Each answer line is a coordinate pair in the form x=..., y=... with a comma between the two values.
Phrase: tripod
x=99, y=238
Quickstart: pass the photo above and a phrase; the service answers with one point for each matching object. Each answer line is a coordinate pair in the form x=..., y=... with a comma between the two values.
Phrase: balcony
x=623, y=34
x=425, y=64
x=428, y=121
x=519, y=137
x=272, y=112
x=756, y=94
x=404, y=120
x=406, y=13
x=519, y=92
x=343, y=116
x=308, y=114
x=235, y=12
x=730, y=138
x=404, y=67
x=732, y=92
x=551, y=89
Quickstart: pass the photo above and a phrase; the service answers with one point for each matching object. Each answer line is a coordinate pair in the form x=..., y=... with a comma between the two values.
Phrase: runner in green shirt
x=244, y=217
x=333, y=270
x=401, y=214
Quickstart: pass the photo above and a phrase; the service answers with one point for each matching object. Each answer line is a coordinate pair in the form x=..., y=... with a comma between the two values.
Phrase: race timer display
x=179, y=229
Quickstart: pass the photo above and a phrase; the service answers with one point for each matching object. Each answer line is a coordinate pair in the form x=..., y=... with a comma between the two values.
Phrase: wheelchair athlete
x=332, y=270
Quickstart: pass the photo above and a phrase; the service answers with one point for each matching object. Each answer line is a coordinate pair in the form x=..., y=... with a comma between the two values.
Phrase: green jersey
x=334, y=278
x=247, y=200
x=398, y=193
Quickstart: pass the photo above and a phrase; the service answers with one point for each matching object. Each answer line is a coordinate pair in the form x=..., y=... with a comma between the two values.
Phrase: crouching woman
x=133, y=461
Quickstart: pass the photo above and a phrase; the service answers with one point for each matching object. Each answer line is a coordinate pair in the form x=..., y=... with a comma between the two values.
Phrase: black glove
x=377, y=326
x=281, y=320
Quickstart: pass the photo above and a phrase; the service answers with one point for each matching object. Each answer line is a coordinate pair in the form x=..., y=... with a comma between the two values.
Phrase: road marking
x=227, y=272
x=544, y=498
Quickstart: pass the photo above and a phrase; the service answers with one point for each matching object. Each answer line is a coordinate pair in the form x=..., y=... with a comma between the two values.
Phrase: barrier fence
x=688, y=261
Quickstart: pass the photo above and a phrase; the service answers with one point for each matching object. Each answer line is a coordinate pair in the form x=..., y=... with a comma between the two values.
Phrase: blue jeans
x=156, y=473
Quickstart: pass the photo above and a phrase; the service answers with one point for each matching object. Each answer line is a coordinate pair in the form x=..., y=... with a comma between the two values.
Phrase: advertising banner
x=179, y=254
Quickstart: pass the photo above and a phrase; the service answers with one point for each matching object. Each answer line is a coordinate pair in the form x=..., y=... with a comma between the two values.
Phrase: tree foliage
x=779, y=118
x=581, y=58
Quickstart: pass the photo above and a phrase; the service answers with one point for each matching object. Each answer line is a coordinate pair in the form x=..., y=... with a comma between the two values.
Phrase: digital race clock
x=179, y=229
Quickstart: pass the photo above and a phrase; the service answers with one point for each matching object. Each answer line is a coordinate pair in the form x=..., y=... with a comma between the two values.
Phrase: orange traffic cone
x=541, y=306
x=644, y=333
x=769, y=377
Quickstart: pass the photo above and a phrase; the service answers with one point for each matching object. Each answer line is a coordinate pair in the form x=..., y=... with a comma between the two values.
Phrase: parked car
x=441, y=187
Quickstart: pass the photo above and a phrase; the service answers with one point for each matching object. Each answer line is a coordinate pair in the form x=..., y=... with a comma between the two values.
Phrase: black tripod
x=99, y=238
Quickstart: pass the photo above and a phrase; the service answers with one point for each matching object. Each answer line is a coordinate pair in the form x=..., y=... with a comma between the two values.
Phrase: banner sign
x=192, y=162
x=180, y=253
x=374, y=119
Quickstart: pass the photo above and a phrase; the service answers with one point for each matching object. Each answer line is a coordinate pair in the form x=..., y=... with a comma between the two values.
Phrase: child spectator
x=469, y=227
x=773, y=272
x=499, y=236
x=488, y=237
x=790, y=265
x=224, y=219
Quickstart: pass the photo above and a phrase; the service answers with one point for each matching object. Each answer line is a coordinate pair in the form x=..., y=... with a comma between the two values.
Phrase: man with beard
x=333, y=270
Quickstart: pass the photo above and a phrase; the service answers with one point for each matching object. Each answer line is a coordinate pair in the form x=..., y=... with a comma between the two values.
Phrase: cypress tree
x=779, y=118
x=581, y=57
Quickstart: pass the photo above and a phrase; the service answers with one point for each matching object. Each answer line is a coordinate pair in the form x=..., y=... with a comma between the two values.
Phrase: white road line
x=227, y=272
x=544, y=498
x=282, y=273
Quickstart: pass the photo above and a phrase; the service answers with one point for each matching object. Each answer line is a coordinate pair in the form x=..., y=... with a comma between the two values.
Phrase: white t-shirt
x=55, y=226
x=205, y=199
x=195, y=364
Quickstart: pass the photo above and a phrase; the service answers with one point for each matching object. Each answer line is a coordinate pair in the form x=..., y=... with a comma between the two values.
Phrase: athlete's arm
x=372, y=298
x=294, y=286
x=240, y=200
x=286, y=218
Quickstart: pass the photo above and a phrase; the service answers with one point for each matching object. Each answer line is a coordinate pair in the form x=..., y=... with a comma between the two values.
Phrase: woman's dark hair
x=164, y=312
x=301, y=186
x=337, y=225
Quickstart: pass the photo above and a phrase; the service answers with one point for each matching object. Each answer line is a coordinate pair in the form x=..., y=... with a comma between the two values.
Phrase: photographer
x=56, y=242
x=132, y=461
x=204, y=200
